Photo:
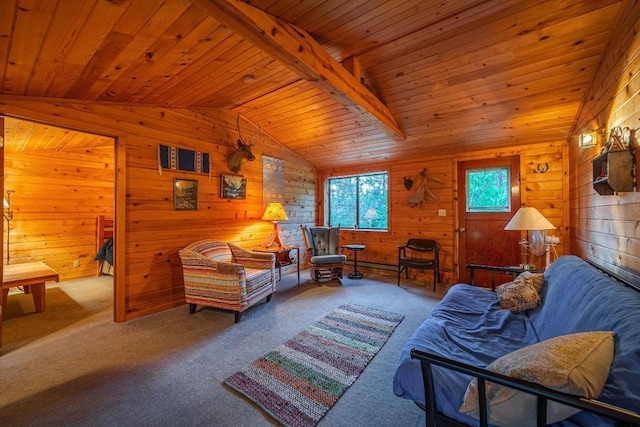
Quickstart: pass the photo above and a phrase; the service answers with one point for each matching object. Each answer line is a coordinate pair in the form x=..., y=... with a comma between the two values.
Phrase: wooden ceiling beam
x=297, y=50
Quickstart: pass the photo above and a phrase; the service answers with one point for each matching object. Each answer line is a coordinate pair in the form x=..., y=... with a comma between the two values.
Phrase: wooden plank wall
x=56, y=198
x=605, y=228
x=154, y=232
x=548, y=192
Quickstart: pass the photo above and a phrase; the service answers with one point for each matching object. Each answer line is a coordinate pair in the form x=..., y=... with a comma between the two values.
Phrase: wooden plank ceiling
x=439, y=76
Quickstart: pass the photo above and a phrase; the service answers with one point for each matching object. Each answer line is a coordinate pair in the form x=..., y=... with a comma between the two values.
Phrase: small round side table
x=355, y=249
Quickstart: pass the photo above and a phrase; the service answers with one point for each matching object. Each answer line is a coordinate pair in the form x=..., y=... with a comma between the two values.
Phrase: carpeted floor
x=72, y=365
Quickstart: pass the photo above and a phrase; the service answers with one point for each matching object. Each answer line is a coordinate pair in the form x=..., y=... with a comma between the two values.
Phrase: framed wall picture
x=233, y=187
x=185, y=194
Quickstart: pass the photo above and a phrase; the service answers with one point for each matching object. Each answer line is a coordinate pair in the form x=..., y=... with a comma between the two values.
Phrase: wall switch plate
x=442, y=212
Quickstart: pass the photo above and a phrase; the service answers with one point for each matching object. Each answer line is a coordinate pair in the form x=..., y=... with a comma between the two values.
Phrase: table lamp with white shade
x=529, y=219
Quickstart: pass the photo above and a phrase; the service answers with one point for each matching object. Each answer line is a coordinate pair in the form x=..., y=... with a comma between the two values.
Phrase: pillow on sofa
x=535, y=279
x=517, y=296
x=576, y=363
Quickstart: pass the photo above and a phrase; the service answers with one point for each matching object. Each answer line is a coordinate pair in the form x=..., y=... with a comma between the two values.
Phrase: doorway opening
x=59, y=181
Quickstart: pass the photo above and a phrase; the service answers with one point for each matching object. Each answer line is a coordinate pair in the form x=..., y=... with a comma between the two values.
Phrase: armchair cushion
x=325, y=240
x=200, y=270
x=250, y=259
x=328, y=259
x=213, y=250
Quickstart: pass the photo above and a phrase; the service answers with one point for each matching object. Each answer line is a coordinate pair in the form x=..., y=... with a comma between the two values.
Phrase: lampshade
x=529, y=219
x=371, y=214
x=275, y=212
x=6, y=204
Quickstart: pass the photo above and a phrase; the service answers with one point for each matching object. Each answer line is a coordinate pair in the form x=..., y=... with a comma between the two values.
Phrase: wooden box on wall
x=613, y=172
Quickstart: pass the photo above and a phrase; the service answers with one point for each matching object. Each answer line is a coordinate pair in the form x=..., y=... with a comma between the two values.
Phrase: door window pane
x=488, y=190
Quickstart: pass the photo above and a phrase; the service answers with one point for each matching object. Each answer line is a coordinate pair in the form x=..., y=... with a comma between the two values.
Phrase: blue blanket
x=469, y=326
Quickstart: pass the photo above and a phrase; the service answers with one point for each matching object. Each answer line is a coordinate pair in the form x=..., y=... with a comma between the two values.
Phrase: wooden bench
x=32, y=276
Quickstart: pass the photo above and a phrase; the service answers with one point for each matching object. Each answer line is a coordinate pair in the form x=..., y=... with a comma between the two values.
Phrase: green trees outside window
x=488, y=190
x=359, y=201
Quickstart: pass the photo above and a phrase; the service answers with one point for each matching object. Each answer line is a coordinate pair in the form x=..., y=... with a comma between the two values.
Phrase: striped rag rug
x=303, y=378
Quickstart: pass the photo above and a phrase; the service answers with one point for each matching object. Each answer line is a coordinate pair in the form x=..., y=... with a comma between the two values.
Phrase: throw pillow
x=517, y=296
x=535, y=279
x=577, y=364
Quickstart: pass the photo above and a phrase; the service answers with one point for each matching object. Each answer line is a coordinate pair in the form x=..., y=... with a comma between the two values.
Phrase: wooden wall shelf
x=613, y=172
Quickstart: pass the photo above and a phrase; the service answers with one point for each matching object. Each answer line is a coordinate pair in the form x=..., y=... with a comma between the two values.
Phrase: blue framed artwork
x=233, y=187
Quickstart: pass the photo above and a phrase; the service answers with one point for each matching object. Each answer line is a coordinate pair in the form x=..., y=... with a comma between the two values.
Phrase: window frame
x=503, y=209
x=357, y=200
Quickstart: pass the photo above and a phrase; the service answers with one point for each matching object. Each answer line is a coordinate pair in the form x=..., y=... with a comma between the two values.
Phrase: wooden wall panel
x=605, y=227
x=4, y=222
x=547, y=191
x=56, y=198
x=153, y=231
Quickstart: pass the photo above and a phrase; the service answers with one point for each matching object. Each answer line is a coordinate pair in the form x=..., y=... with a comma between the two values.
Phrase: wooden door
x=482, y=238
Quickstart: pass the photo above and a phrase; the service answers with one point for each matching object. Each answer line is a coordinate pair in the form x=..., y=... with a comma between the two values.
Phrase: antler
x=256, y=134
x=238, y=126
x=240, y=134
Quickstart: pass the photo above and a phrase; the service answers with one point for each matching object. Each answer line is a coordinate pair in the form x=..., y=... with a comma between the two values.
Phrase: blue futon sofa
x=469, y=326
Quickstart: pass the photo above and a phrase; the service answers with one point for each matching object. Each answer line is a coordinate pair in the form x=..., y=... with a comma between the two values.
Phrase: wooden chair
x=419, y=254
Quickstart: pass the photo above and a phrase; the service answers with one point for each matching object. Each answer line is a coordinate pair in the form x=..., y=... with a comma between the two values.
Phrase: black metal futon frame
x=622, y=417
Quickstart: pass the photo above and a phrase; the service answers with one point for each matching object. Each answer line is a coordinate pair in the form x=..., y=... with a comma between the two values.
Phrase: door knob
x=462, y=230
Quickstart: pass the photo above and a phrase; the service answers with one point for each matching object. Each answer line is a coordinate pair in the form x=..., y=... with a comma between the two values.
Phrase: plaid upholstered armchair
x=223, y=275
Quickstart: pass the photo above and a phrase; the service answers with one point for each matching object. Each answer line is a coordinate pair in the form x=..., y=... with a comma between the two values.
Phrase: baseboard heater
x=373, y=265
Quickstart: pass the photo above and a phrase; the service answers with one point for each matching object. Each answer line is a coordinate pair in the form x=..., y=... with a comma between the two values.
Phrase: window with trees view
x=488, y=190
x=359, y=201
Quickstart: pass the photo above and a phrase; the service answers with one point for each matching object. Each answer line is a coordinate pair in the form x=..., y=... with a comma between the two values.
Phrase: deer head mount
x=243, y=151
